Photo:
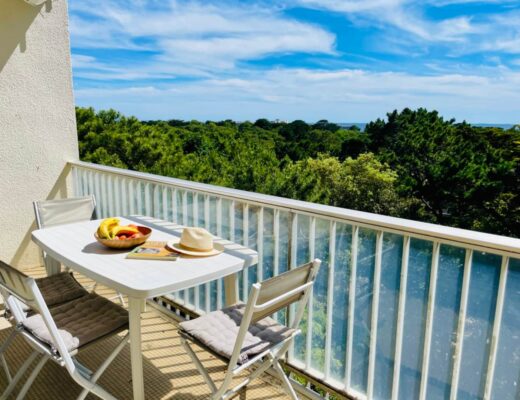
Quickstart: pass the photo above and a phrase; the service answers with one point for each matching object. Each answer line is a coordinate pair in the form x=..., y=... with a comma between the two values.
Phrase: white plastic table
x=74, y=245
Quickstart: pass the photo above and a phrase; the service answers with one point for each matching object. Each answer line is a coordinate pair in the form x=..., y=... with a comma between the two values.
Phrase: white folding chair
x=59, y=333
x=50, y=213
x=244, y=334
x=56, y=289
x=62, y=211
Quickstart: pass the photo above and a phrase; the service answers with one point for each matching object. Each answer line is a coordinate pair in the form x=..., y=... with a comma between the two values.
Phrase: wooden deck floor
x=169, y=373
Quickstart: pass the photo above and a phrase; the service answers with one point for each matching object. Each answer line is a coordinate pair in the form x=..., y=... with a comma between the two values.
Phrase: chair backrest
x=274, y=294
x=64, y=211
x=15, y=283
x=285, y=289
x=15, y=287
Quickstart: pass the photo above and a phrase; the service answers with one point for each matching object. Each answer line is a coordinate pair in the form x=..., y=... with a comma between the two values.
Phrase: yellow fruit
x=106, y=227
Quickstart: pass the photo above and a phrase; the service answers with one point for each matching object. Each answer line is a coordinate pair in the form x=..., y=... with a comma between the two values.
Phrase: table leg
x=52, y=266
x=231, y=289
x=134, y=314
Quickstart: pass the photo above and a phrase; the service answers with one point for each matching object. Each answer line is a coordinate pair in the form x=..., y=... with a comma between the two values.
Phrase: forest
x=412, y=164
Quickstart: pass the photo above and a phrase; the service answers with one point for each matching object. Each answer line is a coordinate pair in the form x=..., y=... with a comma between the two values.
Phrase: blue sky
x=341, y=60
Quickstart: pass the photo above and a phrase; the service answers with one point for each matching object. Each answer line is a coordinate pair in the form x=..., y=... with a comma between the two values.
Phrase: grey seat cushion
x=56, y=289
x=60, y=288
x=80, y=321
x=218, y=332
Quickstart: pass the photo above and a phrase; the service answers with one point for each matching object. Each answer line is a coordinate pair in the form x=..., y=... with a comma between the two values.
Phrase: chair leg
x=32, y=377
x=81, y=368
x=121, y=299
x=52, y=266
x=285, y=380
x=3, y=349
x=118, y=296
x=228, y=394
x=6, y=368
x=104, y=366
x=19, y=375
x=92, y=387
x=199, y=365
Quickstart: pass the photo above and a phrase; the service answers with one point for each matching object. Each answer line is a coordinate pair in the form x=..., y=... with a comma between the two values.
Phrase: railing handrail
x=463, y=237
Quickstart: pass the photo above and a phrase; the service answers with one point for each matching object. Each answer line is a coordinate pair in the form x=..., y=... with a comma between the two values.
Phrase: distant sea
x=503, y=126
x=361, y=125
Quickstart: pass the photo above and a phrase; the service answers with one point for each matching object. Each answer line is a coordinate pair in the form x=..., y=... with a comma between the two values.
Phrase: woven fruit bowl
x=126, y=243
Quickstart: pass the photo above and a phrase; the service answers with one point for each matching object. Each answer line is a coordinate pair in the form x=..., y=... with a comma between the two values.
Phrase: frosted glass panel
x=213, y=215
x=181, y=217
x=419, y=266
x=445, y=321
x=268, y=243
x=283, y=242
x=319, y=303
x=189, y=204
x=225, y=218
x=253, y=241
x=239, y=223
x=202, y=297
x=201, y=221
x=387, y=317
x=506, y=383
x=340, y=303
x=302, y=253
x=302, y=256
x=283, y=251
x=364, y=291
x=485, y=272
x=213, y=295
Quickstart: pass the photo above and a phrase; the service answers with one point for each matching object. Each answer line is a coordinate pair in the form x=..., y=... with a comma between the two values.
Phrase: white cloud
x=352, y=6
x=405, y=15
x=408, y=29
x=343, y=95
x=444, y=3
x=201, y=36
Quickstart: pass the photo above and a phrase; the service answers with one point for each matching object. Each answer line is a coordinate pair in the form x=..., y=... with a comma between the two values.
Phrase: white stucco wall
x=37, y=119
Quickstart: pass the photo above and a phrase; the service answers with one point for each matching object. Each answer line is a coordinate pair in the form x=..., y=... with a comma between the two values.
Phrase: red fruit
x=126, y=231
x=122, y=237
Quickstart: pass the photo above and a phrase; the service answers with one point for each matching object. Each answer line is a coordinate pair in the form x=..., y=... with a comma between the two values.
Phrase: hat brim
x=175, y=245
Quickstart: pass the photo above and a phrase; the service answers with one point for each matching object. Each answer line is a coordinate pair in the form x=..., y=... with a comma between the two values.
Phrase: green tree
x=453, y=174
x=362, y=184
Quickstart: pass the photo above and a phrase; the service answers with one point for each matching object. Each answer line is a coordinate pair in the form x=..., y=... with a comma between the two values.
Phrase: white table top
x=74, y=245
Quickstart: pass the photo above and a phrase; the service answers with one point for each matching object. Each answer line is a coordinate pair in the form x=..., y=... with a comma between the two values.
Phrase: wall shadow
x=58, y=191
x=16, y=17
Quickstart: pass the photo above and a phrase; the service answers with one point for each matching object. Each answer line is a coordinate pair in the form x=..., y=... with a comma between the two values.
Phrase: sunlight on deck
x=169, y=372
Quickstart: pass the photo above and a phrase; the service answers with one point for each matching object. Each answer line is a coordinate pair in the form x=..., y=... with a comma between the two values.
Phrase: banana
x=106, y=227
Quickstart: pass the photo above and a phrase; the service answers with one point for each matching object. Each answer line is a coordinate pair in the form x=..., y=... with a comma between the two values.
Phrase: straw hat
x=196, y=242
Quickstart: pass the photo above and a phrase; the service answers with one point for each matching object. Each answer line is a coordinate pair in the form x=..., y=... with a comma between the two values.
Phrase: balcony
x=400, y=310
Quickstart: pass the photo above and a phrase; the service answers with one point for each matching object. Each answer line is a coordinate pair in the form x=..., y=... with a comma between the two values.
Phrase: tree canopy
x=412, y=164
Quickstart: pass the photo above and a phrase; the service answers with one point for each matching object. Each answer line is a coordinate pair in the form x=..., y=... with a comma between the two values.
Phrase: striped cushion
x=80, y=321
x=60, y=288
x=218, y=332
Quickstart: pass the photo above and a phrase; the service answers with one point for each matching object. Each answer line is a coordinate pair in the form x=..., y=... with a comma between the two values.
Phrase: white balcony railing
x=401, y=309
